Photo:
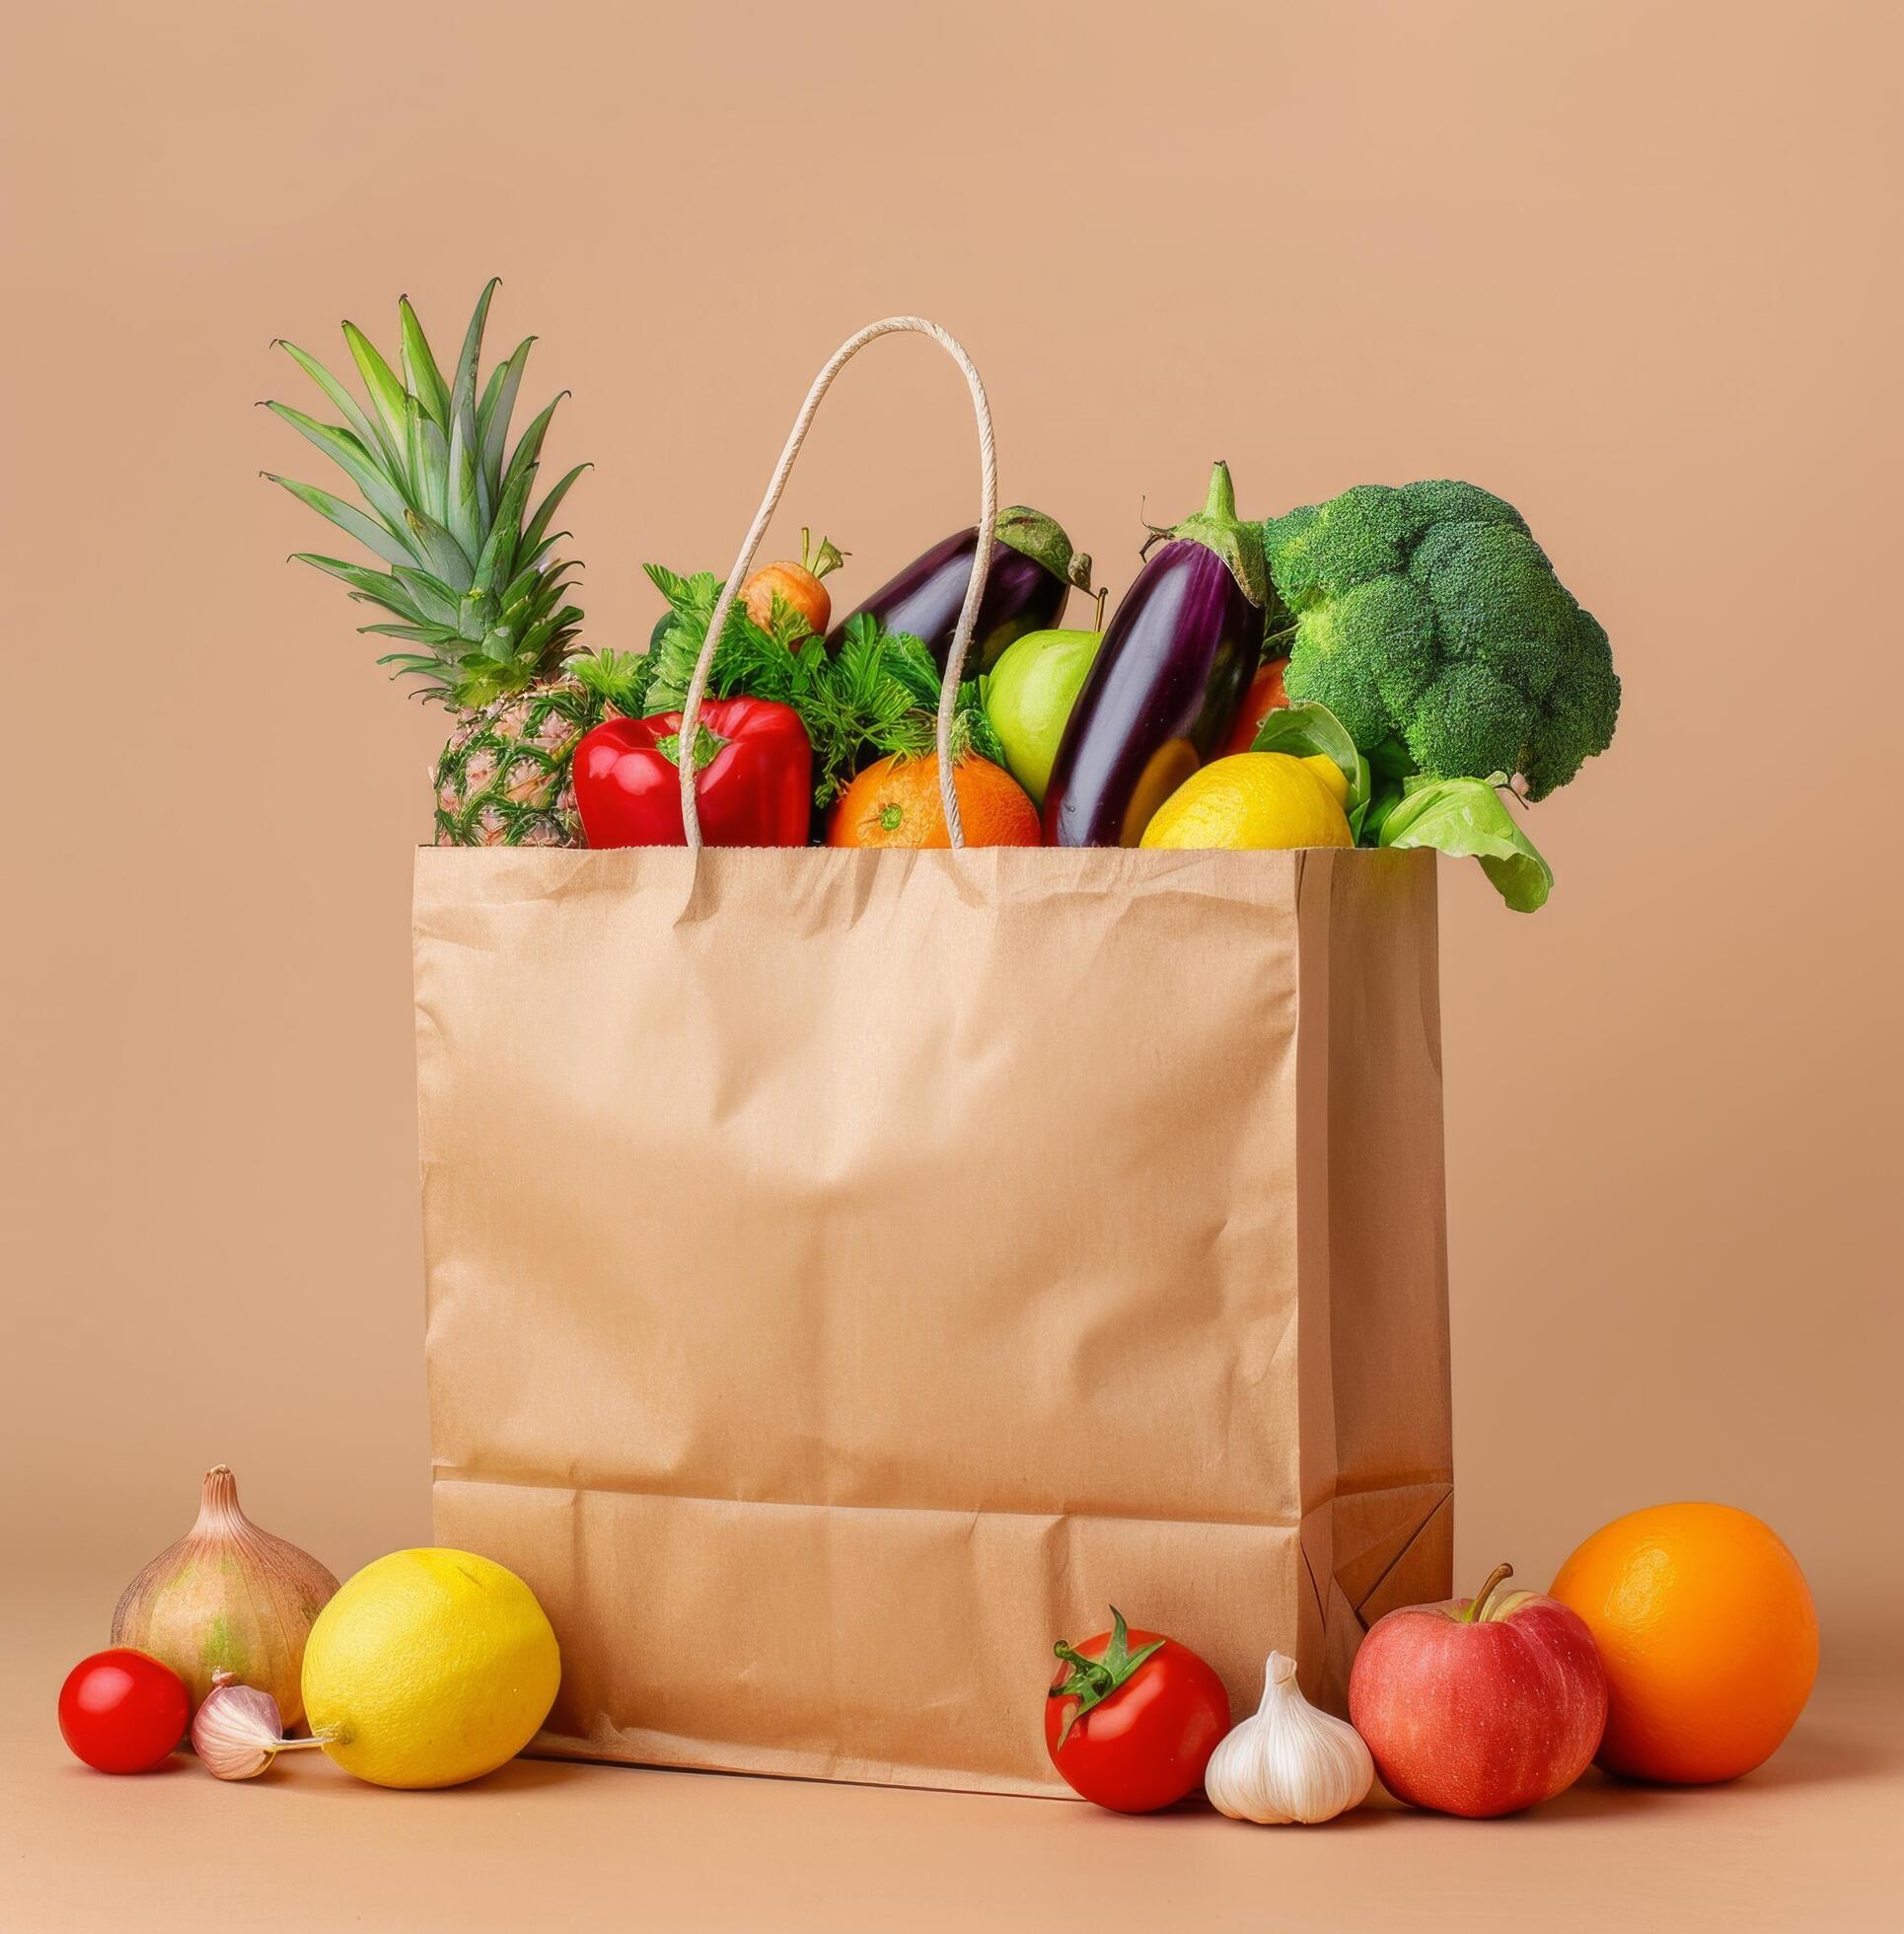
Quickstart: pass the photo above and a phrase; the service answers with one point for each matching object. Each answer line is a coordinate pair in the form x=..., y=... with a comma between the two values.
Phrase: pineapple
x=503, y=778
x=473, y=591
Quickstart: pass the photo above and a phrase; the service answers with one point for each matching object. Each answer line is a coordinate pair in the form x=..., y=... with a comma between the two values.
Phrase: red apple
x=1480, y=1706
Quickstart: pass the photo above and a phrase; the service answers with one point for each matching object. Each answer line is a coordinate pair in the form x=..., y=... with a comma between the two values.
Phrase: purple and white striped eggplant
x=1033, y=570
x=1167, y=681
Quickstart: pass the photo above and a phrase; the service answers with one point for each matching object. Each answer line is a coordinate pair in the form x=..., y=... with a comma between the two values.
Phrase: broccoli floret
x=1427, y=617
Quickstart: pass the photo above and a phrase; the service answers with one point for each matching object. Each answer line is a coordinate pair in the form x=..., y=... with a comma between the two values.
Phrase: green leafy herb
x=622, y=678
x=877, y=695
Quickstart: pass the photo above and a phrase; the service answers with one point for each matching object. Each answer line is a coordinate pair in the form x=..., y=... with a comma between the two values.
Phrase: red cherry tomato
x=124, y=1711
x=1132, y=1718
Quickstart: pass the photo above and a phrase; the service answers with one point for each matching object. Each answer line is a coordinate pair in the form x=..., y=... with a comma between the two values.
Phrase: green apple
x=1029, y=695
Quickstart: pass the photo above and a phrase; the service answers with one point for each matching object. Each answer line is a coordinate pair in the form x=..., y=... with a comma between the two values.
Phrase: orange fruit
x=896, y=803
x=1708, y=1632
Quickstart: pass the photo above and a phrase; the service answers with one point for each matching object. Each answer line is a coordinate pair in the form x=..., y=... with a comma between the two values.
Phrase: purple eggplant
x=1168, y=680
x=1033, y=568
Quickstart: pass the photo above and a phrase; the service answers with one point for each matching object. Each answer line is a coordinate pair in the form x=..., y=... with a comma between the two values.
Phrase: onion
x=227, y=1598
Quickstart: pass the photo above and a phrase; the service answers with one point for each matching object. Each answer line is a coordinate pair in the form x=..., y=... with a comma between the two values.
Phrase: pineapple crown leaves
x=878, y=694
x=473, y=591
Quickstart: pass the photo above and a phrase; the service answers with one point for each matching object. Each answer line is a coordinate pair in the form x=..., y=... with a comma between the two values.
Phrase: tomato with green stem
x=1133, y=1717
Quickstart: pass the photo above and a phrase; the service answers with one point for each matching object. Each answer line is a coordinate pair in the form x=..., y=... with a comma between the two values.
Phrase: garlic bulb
x=1289, y=1762
x=238, y=1731
x=227, y=1596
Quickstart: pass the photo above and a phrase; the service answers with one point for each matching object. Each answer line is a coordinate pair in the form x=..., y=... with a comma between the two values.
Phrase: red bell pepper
x=753, y=778
x=1264, y=695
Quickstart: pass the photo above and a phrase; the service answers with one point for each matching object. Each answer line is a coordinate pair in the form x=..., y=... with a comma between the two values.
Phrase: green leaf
x=347, y=517
x=494, y=410
x=786, y=624
x=352, y=458
x=477, y=683
x=469, y=499
x=429, y=464
x=413, y=661
x=434, y=599
x=541, y=636
x=532, y=537
x=418, y=634
x=477, y=616
x=550, y=590
x=677, y=590
x=462, y=390
x=374, y=585
x=972, y=732
x=426, y=379
x=1469, y=817
x=529, y=447
x=520, y=588
x=1384, y=796
x=438, y=549
x=498, y=558
x=1301, y=729
x=908, y=661
x=387, y=395
x=622, y=678
x=465, y=519
x=371, y=436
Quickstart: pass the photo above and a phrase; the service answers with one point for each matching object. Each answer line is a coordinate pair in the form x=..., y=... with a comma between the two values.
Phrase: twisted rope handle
x=974, y=590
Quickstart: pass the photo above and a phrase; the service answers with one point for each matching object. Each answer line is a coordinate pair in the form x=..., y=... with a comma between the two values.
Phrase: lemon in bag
x=429, y=1667
x=1255, y=799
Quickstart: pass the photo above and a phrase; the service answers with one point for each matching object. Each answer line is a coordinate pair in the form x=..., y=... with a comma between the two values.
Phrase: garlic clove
x=238, y=1731
x=1288, y=1764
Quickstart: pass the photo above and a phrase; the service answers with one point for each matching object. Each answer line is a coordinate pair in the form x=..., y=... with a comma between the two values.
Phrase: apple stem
x=1487, y=1592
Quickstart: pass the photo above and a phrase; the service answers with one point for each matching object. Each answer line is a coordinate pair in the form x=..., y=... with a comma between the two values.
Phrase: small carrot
x=796, y=585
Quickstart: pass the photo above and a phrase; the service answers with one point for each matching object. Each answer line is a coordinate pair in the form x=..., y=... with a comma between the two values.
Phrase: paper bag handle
x=974, y=590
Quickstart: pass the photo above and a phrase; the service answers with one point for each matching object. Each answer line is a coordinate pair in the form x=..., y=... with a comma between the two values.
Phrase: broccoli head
x=1429, y=621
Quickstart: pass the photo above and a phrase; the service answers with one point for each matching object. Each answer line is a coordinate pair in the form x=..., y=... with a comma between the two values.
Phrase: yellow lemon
x=1330, y=775
x=428, y=1668
x=1255, y=799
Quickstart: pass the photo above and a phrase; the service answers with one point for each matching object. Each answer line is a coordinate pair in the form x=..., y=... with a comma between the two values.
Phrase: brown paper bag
x=851, y=1271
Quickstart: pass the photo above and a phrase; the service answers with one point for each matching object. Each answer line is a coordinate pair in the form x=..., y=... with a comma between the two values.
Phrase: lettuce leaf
x=1468, y=818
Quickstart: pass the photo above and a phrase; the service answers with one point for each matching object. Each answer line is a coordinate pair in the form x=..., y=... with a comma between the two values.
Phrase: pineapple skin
x=504, y=776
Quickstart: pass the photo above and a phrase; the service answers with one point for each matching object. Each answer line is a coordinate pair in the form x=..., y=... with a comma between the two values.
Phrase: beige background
x=1632, y=265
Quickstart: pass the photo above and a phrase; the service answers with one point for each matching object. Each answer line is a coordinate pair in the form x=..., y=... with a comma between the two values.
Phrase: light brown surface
x=1629, y=265
x=1806, y=1842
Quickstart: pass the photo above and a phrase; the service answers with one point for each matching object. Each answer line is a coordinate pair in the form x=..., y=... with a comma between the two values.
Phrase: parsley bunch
x=878, y=694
